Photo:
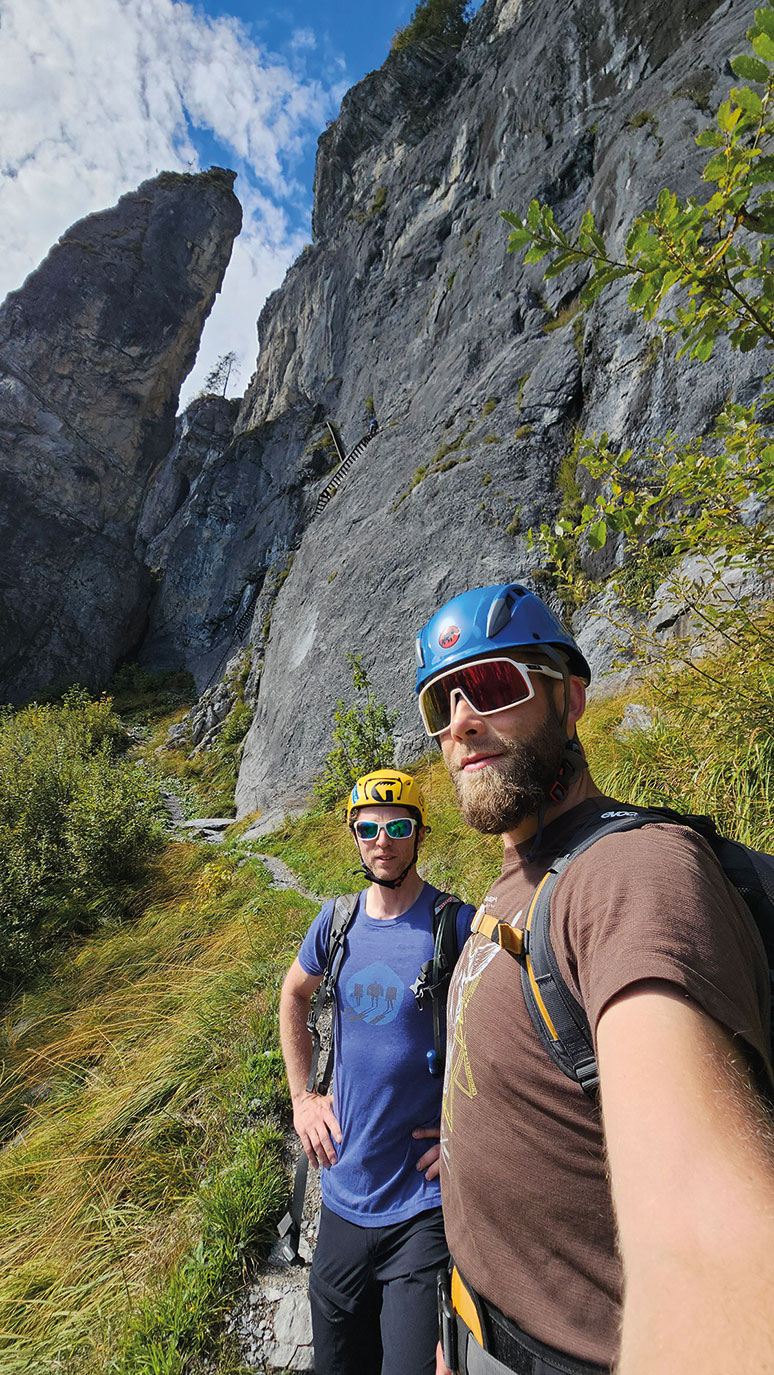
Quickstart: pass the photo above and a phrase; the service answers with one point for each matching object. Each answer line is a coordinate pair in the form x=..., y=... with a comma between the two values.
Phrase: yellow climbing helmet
x=387, y=788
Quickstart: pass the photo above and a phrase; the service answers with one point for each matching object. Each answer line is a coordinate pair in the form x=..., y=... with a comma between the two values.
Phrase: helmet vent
x=420, y=652
x=499, y=616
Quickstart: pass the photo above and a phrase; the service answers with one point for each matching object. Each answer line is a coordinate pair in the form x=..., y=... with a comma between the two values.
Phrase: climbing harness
x=431, y=986
x=478, y=1339
x=558, y=1017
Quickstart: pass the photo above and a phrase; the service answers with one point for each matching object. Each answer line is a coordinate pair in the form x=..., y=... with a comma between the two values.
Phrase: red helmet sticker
x=448, y=636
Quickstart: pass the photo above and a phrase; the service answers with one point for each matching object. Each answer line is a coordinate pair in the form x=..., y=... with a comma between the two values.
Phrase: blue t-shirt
x=382, y=1088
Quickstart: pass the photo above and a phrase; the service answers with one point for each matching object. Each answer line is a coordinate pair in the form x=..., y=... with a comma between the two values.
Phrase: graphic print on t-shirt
x=474, y=959
x=374, y=994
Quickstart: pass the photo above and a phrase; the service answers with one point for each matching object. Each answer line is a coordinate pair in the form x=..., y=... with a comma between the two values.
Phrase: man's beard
x=501, y=796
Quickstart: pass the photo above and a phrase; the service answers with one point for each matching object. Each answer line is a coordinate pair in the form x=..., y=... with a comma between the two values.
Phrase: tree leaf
x=762, y=170
x=747, y=100
x=716, y=168
x=728, y=118
x=763, y=44
x=559, y=265
x=639, y=293
x=764, y=18
x=748, y=68
x=597, y=535
x=710, y=138
x=518, y=240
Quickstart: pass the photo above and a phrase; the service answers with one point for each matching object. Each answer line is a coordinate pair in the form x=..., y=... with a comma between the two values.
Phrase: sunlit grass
x=140, y=1104
x=709, y=748
x=142, y=1094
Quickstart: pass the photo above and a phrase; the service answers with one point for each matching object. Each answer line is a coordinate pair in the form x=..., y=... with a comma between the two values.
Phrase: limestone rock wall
x=93, y=349
x=406, y=307
x=478, y=371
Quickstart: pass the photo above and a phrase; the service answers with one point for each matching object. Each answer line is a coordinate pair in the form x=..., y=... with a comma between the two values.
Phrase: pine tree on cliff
x=444, y=19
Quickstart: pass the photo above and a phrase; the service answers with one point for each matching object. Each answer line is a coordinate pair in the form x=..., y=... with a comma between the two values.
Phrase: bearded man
x=606, y=1153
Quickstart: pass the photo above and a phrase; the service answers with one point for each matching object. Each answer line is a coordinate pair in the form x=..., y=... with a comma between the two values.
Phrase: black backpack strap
x=446, y=951
x=290, y=1227
x=432, y=982
x=344, y=909
x=559, y=1019
x=557, y=1016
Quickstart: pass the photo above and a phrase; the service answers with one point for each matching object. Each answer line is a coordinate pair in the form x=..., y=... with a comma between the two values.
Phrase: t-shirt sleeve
x=464, y=919
x=654, y=903
x=313, y=955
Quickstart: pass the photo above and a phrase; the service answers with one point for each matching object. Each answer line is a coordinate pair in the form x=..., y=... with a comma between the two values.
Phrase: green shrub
x=236, y=725
x=362, y=740
x=76, y=820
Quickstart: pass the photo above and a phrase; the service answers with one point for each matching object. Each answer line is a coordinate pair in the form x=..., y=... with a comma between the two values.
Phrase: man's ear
x=576, y=693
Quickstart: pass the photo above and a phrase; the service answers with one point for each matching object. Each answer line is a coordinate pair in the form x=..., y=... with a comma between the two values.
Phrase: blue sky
x=97, y=95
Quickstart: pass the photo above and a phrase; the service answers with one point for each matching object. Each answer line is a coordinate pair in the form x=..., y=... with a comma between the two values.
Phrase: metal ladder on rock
x=343, y=468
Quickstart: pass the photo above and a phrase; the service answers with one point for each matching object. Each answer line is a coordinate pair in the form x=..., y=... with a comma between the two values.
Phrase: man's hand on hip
x=315, y=1124
x=430, y=1162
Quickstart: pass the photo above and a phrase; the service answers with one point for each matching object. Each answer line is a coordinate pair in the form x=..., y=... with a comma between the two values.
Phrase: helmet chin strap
x=390, y=882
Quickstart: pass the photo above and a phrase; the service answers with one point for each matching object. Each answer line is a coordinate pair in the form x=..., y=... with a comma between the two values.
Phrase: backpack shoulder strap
x=344, y=909
x=446, y=952
x=559, y=1019
x=446, y=946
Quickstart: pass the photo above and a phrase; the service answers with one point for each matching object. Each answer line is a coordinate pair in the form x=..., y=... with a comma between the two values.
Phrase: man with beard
x=635, y=1223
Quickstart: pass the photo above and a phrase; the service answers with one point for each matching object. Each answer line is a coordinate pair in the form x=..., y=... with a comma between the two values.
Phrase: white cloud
x=303, y=38
x=97, y=95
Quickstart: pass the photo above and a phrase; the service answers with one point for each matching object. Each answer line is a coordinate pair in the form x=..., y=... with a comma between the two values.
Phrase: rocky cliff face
x=406, y=306
x=479, y=371
x=93, y=350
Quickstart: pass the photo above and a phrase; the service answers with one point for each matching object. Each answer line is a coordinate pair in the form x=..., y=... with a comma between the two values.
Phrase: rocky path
x=174, y=809
x=282, y=876
x=272, y=1323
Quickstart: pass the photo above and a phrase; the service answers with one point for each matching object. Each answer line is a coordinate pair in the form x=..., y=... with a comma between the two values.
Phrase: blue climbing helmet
x=487, y=619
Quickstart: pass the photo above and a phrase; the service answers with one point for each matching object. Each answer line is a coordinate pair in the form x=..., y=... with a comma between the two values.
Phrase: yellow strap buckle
x=463, y=1304
x=510, y=938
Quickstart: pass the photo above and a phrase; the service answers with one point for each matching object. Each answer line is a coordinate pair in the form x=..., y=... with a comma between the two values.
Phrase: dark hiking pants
x=373, y=1295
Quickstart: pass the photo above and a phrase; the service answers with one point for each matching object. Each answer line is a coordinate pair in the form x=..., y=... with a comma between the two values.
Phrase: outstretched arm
x=691, y=1155
x=313, y=1116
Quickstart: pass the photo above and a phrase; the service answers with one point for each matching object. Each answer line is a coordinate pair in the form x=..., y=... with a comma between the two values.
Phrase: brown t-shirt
x=526, y=1200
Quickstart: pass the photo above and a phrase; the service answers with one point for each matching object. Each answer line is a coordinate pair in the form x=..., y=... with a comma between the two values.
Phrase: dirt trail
x=282, y=876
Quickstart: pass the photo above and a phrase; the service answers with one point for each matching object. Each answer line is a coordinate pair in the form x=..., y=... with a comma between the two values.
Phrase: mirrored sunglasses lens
x=398, y=830
x=488, y=685
x=367, y=830
x=494, y=684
